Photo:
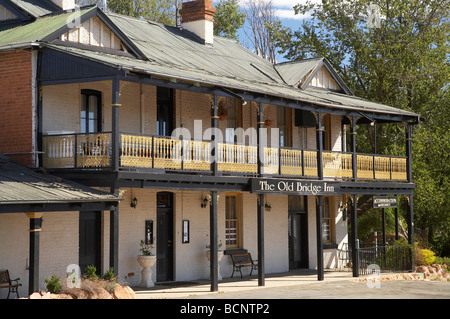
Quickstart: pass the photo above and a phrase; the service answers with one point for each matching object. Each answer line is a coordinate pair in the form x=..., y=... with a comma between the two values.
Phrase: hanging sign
x=384, y=202
x=294, y=187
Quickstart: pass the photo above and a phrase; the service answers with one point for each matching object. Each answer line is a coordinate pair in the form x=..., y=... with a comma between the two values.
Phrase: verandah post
x=319, y=209
x=115, y=163
x=115, y=138
x=214, y=264
x=214, y=144
x=354, y=237
x=35, y=229
x=353, y=135
x=260, y=217
x=260, y=222
x=319, y=217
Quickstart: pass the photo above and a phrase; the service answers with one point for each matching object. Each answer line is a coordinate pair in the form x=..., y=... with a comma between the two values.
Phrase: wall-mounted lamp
x=343, y=210
x=204, y=202
x=134, y=202
x=268, y=207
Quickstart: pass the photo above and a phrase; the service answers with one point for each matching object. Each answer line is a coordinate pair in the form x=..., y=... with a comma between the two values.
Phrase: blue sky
x=284, y=10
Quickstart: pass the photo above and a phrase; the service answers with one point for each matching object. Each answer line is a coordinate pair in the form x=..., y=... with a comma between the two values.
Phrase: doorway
x=298, y=232
x=89, y=240
x=164, y=112
x=91, y=115
x=164, y=237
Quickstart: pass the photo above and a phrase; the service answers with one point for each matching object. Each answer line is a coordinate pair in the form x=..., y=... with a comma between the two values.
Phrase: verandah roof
x=21, y=186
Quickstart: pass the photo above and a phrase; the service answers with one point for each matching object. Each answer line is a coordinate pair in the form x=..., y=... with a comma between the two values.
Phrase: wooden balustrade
x=337, y=164
x=138, y=151
x=291, y=162
x=237, y=158
x=77, y=150
x=59, y=151
x=196, y=155
x=93, y=150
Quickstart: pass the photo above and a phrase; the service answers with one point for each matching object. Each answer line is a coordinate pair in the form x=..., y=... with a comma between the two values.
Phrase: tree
x=162, y=11
x=88, y=2
x=397, y=53
x=260, y=15
x=228, y=19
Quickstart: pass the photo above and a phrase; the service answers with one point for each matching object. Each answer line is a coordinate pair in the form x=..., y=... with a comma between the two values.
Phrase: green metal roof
x=21, y=185
x=36, y=8
x=292, y=72
x=37, y=30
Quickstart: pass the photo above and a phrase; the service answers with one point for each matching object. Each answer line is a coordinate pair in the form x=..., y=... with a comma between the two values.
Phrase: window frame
x=284, y=125
x=328, y=204
x=233, y=107
x=238, y=221
x=88, y=93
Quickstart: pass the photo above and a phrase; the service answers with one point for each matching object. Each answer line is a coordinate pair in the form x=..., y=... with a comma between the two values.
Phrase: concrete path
x=301, y=284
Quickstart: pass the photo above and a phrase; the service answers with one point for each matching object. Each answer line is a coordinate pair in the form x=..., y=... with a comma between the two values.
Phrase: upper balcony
x=146, y=153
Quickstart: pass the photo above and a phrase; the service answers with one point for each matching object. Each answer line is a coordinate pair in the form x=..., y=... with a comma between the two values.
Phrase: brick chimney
x=65, y=4
x=198, y=17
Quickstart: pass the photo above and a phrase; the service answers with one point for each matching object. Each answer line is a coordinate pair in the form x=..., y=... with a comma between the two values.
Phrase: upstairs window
x=164, y=123
x=90, y=116
x=283, y=121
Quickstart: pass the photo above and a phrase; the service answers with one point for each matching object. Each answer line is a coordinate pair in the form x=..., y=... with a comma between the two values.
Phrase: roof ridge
x=300, y=61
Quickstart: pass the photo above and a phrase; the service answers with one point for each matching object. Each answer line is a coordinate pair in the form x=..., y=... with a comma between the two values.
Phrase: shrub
x=109, y=275
x=53, y=284
x=91, y=272
x=425, y=257
x=445, y=261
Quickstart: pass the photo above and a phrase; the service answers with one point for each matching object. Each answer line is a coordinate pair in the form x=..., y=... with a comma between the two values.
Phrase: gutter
x=19, y=46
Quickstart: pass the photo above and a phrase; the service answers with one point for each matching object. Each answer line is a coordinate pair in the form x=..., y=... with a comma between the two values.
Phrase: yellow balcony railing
x=140, y=151
x=237, y=158
x=337, y=164
x=77, y=150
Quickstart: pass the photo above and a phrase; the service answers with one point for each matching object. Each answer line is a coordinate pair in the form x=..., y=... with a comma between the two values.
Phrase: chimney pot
x=198, y=17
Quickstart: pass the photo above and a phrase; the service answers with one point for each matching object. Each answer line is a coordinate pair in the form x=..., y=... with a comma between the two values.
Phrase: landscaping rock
x=123, y=293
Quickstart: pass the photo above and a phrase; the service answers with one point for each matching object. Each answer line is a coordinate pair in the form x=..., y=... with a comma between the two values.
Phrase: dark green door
x=298, y=245
x=89, y=240
x=298, y=231
x=164, y=233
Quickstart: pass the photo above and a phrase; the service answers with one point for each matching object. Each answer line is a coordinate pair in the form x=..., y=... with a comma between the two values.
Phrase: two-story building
x=207, y=143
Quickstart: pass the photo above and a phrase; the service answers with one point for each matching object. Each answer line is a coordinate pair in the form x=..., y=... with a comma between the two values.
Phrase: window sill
x=330, y=246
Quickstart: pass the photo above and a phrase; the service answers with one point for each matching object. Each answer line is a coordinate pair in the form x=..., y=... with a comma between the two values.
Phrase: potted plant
x=219, y=256
x=222, y=111
x=146, y=260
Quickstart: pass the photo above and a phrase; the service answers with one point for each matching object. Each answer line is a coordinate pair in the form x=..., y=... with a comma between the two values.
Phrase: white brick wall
x=58, y=246
x=14, y=243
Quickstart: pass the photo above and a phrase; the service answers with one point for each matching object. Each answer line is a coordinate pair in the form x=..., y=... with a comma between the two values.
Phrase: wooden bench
x=243, y=260
x=7, y=282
